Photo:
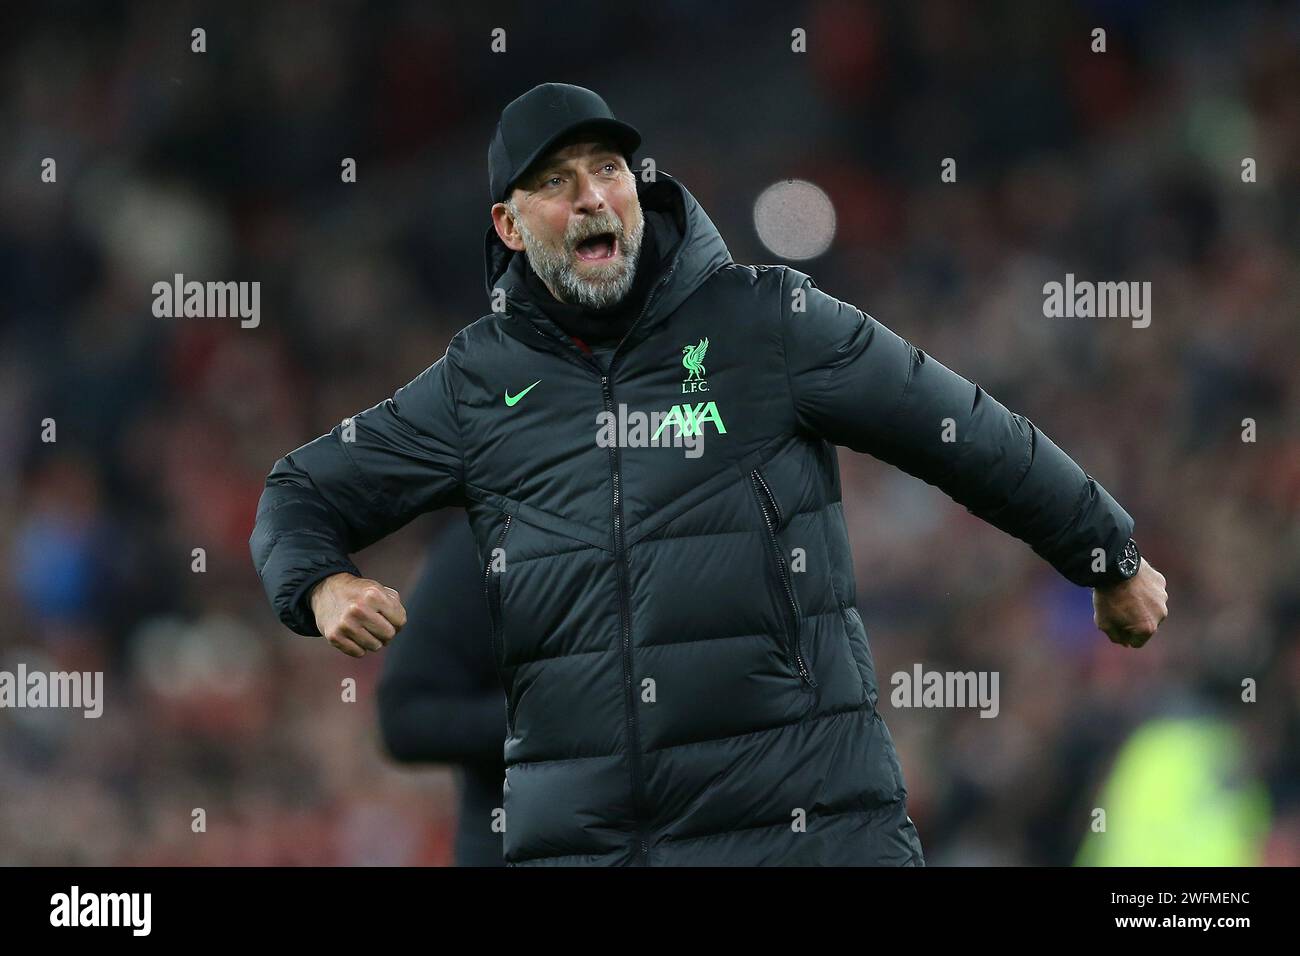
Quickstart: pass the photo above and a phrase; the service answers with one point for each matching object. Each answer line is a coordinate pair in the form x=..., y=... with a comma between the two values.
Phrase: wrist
x=1121, y=566
x=321, y=589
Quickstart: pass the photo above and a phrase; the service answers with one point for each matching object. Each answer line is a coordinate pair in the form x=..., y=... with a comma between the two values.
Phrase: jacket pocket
x=793, y=627
x=850, y=619
x=496, y=622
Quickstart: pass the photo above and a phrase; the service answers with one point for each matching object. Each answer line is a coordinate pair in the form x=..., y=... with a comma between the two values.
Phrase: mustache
x=594, y=227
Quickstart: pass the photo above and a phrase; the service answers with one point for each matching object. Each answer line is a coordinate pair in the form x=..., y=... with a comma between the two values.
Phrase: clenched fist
x=357, y=614
x=1130, y=611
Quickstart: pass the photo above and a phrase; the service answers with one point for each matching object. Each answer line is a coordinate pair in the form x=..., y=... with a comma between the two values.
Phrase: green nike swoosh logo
x=511, y=399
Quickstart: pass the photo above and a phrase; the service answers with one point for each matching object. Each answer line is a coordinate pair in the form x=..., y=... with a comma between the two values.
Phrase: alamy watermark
x=208, y=300
x=75, y=908
x=1102, y=300
x=946, y=689
x=681, y=426
x=63, y=689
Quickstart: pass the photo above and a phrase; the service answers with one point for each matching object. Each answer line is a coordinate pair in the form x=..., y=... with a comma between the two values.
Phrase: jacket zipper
x=663, y=281
x=624, y=602
x=492, y=592
x=772, y=519
x=624, y=612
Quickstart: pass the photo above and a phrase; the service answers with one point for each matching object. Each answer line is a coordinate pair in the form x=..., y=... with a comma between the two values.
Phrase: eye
x=613, y=166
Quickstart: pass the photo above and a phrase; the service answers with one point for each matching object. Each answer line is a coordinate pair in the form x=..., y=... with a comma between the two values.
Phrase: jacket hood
x=689, y=245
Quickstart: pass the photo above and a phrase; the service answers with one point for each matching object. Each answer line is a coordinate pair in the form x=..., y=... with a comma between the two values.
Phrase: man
x=687, y=677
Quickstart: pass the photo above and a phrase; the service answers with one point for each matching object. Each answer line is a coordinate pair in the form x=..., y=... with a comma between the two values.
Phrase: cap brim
x=624, y=136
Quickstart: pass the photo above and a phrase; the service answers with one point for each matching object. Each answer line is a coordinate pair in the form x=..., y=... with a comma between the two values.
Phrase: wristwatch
x=1124, y=566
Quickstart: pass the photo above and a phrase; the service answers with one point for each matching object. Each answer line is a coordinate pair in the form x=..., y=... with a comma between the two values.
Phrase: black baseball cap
x=533, y=124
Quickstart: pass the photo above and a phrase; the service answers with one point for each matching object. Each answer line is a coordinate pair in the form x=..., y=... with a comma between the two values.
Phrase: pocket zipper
x=492, y=592
x=772, y=519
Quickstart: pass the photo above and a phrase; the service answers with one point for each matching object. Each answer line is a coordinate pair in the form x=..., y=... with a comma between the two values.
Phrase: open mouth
x=602, y=246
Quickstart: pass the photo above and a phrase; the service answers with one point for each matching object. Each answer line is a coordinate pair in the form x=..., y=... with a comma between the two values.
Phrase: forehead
x=575, y=151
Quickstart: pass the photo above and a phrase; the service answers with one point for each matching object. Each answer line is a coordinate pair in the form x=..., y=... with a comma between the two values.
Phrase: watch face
x=1128, y=561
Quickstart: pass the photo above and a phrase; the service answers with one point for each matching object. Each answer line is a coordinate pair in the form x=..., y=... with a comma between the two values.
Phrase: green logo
x=511, y=399
x=690, y=419
x=693, y=362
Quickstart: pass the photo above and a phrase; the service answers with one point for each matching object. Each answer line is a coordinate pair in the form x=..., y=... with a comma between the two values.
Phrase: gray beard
x=555, y=268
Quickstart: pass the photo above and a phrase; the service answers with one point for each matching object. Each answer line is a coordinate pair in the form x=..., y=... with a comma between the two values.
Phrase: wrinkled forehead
x=573, y=147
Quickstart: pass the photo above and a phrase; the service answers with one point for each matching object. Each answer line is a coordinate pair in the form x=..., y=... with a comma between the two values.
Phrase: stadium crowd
x=1123, y=166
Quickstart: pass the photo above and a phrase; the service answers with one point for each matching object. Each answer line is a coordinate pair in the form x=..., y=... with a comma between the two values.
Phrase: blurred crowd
x=225, y=739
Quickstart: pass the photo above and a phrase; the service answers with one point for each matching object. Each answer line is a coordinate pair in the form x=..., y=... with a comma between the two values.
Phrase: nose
x=590, y=197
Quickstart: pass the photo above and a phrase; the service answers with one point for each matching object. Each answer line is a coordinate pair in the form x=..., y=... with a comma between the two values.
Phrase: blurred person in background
x=440, y=696
x=1181, y=793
